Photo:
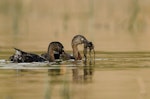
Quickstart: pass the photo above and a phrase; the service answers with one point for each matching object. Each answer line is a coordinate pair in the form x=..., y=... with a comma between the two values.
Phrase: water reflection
x=127, y=73
x=85, y=74
x=62, y=80
x=79, y=73
x=58, y=70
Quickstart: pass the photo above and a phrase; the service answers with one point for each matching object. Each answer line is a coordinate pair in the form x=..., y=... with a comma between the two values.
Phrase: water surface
x=113, y=76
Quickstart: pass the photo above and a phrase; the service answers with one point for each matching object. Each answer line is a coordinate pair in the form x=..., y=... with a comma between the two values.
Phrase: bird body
x=80, y=39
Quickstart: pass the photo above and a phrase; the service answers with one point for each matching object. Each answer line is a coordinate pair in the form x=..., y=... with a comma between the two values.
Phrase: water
x=113, y=76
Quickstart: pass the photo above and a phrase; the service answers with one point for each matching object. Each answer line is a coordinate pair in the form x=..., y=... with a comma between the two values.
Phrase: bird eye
x=82, y=39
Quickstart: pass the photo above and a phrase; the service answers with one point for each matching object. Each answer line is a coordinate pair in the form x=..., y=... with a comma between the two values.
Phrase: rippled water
x=112, y=76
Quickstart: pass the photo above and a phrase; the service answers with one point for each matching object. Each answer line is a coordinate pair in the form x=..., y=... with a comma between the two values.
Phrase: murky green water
x=113, y=76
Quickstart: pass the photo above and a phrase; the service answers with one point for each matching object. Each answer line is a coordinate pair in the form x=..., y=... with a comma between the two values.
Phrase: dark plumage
x=54, y=47
x=56, y=51
x=21, y=56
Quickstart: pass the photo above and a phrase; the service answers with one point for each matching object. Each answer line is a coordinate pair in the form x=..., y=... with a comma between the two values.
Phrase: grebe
x=80, y=39
x=22, y=56
x=56, y=51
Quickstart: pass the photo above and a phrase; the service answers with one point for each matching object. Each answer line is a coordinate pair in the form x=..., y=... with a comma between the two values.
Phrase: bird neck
x=76, y=53
x=51, y=54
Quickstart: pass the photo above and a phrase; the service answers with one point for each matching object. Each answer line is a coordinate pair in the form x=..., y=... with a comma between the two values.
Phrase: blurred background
x=112, y=25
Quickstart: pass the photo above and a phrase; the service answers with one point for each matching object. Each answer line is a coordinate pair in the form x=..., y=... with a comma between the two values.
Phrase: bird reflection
x=79, y=73
x=54, y=72
x=85, y=74
x=57, y=71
